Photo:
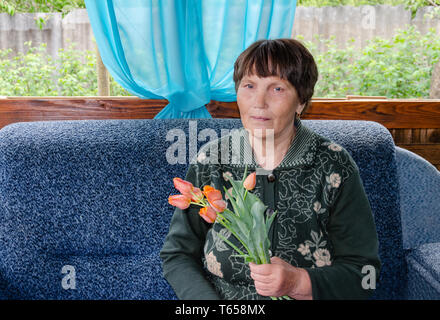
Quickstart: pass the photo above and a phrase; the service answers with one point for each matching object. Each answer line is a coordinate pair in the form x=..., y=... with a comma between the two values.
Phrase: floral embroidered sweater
x=324, y=222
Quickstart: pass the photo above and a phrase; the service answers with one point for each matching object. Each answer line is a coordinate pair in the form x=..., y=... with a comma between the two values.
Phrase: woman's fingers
x=261, y=278
x=279, y=261
x=270, y=279
x=263, y=269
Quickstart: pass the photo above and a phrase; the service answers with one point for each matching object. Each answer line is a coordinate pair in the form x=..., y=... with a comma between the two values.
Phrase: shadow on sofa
x=84, y=212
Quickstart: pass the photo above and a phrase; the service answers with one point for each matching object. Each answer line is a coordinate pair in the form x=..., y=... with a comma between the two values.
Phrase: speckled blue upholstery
x=93, y=195
x=419, y=183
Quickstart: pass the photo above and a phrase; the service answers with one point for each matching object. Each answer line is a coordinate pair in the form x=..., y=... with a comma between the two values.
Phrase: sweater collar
x=302, y=150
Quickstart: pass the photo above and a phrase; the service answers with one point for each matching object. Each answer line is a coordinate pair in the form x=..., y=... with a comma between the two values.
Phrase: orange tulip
x=208, y=214
x=185, y=187
x=250, y=182
x=218, y=205
x=211, y=193
x=215, y=198
x=207, y=189
x=180, y=201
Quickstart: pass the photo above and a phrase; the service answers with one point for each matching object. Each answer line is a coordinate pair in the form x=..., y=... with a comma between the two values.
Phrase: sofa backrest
x=84, y=212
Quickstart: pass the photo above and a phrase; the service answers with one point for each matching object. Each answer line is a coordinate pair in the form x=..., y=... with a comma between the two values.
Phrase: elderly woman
x=323, y=234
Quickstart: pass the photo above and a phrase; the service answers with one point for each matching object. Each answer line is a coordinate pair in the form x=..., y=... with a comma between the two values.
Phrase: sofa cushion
x=92, y=193
x=424, y=272
x=92, y=277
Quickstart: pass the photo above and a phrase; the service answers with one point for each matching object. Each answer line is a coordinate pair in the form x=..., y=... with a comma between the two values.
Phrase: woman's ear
x=300, y=108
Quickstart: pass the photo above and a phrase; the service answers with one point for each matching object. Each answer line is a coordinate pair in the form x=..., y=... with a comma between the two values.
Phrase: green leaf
x=259, y=234
x=234, y=204
x=239, y=191
x=269, y=220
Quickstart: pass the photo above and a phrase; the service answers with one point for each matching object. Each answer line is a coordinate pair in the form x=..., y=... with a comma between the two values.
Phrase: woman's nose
x=260, y=99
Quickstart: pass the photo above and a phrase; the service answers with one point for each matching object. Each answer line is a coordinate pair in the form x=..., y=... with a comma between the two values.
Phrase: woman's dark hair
x=288, y=59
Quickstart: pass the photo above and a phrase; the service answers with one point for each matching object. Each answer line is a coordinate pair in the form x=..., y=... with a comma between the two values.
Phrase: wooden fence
x=361, y=23
x=414, y=124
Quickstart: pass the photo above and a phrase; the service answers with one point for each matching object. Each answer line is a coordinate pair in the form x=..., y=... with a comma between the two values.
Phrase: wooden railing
x=413, y=123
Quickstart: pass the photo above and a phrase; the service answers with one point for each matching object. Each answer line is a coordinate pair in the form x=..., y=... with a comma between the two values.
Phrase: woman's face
x=267, y=103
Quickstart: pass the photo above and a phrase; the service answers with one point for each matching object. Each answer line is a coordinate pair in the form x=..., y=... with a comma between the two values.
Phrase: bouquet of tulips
x=246, y=222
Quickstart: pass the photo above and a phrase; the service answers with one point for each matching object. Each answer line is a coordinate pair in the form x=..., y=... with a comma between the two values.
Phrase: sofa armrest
x=424, y=272
x=419, y=185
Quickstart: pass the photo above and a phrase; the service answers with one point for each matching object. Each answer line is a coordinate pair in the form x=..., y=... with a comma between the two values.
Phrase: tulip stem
x=232, y=245
x=198, y=204
x=245, y=193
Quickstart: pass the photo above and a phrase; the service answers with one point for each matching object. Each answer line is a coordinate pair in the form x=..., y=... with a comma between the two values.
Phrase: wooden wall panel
x=424, y=142
x=413, y=123
x=392, y=113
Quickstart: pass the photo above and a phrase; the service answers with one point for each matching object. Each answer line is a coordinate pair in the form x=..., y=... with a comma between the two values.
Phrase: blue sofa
x=84, y=212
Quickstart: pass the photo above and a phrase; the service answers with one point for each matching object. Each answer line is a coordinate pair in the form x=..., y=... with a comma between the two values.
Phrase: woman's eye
x=248, y=85
x=278, y=89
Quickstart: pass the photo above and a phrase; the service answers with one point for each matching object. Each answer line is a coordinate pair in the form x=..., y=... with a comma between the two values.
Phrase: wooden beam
x=390, y=113
x=393, y=114
x=414, y=123
x=76, y=108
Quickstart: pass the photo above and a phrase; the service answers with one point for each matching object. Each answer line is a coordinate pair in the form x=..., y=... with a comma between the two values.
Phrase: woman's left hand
x=280, y=278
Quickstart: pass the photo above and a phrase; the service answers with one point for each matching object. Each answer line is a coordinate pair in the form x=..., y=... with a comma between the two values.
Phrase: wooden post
x=434, y=91
x=103, y=76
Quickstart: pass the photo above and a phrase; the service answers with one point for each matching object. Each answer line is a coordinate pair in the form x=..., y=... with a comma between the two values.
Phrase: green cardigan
x=324, y=222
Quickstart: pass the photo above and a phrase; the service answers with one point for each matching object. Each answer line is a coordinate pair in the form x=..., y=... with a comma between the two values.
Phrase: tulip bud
x=250, y=181
x=227, y=175
x=185, y=187
x=180, y=201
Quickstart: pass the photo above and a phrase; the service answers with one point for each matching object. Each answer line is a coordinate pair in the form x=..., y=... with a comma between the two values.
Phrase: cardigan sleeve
x=182, y=251
x=352, y=232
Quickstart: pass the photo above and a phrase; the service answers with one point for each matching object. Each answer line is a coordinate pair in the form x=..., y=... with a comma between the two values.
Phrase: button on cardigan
x=324, y=222
x=271, y=177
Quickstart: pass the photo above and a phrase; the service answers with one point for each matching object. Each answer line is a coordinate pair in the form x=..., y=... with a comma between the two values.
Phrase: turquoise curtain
x=183, y=50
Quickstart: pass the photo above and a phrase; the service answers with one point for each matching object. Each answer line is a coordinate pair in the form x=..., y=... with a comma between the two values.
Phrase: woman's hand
x=280, y=278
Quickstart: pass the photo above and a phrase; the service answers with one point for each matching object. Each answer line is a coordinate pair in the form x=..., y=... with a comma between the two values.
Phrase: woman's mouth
x=260, y=118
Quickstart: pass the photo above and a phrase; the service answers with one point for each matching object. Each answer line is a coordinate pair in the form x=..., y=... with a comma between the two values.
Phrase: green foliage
x=65, y=6
x=334, y=3
x=31, y=6
x=26, y=73
x=412, y=5
x=74, y=76
x=36, y=73
x=397, y=68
